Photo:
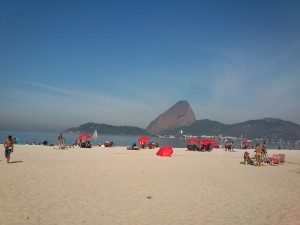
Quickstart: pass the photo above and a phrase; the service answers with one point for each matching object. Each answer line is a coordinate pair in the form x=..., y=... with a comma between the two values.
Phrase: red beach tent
x=165, y=151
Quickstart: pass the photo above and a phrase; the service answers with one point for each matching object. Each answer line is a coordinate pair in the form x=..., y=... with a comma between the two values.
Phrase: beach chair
x=275, y=159
x=281, y=158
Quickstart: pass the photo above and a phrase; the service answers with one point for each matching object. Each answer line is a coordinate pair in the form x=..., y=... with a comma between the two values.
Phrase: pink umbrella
x=143, y=139
x=165, y=151
x=84, y=136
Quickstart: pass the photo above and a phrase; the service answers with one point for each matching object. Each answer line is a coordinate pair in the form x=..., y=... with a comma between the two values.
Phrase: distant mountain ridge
x=181, y=117
x=267, y=128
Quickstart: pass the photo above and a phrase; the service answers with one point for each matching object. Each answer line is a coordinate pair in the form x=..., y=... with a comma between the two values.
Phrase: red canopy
x=84, y=136
x=246, y=143
x=165, y=151
x=143, y=139
x=206, y=142
x=192, y=140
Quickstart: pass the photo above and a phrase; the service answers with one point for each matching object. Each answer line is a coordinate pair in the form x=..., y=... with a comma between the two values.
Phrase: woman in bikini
x=264, y=150
x=258, y=154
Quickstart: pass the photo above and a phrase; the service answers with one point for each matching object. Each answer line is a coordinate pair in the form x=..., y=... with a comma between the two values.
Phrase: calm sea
x=25, y=137
x=119, y=140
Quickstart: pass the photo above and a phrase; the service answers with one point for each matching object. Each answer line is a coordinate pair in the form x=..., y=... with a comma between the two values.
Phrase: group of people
x=83, y=143
x=143, y=145
x=260, y=154
x=106, y=144
x=229, y=146
x=200, y=147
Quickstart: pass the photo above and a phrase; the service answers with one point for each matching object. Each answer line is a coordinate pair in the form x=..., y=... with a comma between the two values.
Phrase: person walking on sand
x=257, y=155
x=9, y=147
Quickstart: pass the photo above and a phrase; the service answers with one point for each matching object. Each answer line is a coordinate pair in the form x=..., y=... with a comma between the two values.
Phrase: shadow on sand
x=16, y=162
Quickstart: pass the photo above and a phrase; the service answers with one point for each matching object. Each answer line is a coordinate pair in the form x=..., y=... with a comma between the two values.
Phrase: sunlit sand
x=42, y=185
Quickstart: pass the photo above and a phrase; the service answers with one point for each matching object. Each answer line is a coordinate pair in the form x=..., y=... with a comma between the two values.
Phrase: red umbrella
x=246, y=143
x=206, y=142
x=165, y=151
x=192, y=140
x=84, y=136
x=202, y=142
x=143, y=139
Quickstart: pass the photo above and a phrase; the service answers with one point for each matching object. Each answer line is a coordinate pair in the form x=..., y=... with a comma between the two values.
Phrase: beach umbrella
x=84, y=136
x=193, y=140
x=246, y=143
x=202, y=142
x=209, y=141
x=206, y=142
x=143, y=139
x=165, y=151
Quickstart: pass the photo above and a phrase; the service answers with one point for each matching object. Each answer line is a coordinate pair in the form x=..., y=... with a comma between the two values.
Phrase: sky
x=66, y=63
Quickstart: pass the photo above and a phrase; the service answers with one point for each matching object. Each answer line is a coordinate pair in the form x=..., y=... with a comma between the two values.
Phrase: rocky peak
x=179, y=115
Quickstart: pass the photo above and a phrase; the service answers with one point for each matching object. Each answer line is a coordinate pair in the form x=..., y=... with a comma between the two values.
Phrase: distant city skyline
x=65, y=63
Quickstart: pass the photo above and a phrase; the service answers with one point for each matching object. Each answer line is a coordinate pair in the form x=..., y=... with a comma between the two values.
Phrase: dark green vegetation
x=108, y=129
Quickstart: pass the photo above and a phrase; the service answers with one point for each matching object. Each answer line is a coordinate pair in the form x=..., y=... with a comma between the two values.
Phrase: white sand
x=116, y=186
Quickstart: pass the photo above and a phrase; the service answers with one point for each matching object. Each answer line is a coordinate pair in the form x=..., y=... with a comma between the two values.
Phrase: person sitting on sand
x=9, y=147
x=246, y=158
x=257, y=155
x=133, y=147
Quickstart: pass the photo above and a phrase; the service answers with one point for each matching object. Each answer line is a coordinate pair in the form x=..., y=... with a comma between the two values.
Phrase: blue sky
x=65, y=63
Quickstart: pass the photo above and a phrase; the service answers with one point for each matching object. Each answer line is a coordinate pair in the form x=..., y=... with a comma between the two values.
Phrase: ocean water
x=52, y=138
x=119, y=140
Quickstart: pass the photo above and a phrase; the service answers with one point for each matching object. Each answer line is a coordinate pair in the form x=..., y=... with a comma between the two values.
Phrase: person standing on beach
x=226, y=146
x=257, y=155
x=61, y=143
x=264, y=150
x=9, y=147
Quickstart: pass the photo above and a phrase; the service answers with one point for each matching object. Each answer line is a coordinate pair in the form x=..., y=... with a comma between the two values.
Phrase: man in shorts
x=9, y=147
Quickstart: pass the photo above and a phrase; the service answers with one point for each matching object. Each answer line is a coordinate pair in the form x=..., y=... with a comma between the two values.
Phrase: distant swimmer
x=9, y=147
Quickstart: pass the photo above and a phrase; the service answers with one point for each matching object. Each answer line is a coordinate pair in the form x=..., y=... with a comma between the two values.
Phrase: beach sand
x=116, y=186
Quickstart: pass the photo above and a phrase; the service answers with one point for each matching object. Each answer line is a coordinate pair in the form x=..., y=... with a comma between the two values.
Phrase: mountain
x=268, y=128
x=108, y=129
x=179, y=115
